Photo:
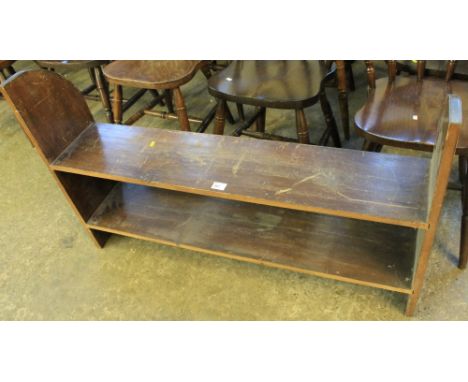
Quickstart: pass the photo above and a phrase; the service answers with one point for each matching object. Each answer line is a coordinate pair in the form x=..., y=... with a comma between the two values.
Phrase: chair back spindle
x=370, y=74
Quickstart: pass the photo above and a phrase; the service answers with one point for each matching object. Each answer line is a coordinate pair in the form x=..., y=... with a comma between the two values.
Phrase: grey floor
x=50, y=270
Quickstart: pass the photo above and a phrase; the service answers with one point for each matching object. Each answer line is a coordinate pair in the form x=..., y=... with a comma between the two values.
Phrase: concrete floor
x=50, y=269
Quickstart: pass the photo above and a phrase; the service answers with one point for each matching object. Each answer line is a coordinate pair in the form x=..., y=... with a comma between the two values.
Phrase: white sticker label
x=219, y=186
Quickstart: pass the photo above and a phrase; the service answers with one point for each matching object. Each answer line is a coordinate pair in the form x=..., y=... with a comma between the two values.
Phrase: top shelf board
x=369, y=186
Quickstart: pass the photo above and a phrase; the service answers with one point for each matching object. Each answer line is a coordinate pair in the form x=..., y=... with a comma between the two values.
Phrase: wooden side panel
x=51, y=111
x=439, y=172
x=85, y=194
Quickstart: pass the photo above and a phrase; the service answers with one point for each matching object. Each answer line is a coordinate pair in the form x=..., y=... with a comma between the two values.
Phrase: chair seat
x=406, y=112
x=277, y=84
x=160, y=74
x=71, y=64
x=6, y=63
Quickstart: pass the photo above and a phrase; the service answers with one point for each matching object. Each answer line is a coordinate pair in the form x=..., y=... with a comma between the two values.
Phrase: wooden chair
x=293, y=85
x=157, y=75
x=435, y=68
x=403, y=111
x=97, y=78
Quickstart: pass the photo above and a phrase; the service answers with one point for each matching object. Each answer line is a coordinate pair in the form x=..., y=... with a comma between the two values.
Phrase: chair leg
x=240, y=111
x=371, y=146
x=329, y=119
x=103, y=94
x=180, y=110
x=118, y=104
x=260, y=122
x=301, y=127
x=228, y=114
x=343, y=96
x=168, y=100
x=463, y=259
x=2, y=76
x=220, y=118
x=349, y=76
x=344, y=112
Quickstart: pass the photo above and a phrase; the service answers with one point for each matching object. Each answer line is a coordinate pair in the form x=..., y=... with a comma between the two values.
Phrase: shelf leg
x=463, y=162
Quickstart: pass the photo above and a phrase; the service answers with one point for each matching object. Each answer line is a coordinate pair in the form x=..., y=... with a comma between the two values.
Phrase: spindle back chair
x=403, y=111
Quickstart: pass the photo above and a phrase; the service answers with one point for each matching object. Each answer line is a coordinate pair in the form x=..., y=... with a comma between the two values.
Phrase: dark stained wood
x=117, y=104
x=52, y=113
x=441, y=163
x=329, y=120
x=448, y=69
x=406, y=112
x=180, y=110
x=370, y=74
x=392, y=69
x=220, y=117
x=343, y=182
x=70, y=64
x=148, y=74
x=388, y=116
x=96, y=75
x=164, y=75
x=277, y=84
x=102, y=89
x=86, y=194
x=261, y=121
x=420, y=69
x=274, y=84
x=50, y=110
x=234, y=197
x=379, y=255
x=343, y=94
x=301, y=126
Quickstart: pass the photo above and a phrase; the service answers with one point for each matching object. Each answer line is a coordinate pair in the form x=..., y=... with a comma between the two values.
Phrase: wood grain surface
x=378, y=255
x=370, y=186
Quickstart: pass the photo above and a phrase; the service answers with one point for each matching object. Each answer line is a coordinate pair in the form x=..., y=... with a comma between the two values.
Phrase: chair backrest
x=51, y=111
x=393, y=67
x=442, y=157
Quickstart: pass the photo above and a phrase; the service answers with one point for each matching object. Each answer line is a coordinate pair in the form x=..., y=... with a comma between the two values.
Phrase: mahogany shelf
x=356, y=251
x=369, y=186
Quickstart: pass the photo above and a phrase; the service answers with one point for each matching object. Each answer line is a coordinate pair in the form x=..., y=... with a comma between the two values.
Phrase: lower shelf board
x=355, y=251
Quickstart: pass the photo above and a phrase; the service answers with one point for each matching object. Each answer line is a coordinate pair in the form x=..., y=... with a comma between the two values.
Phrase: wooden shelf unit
x=360, y=217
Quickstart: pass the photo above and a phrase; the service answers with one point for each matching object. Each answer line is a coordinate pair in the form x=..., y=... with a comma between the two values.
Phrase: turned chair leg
x=301, y=127
x=330, y=119
x=117, y=104
x=260, y=121
x=220, y=118
x=103, y=93
x=180, y=110
x=463, y=166
x=343, y=96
